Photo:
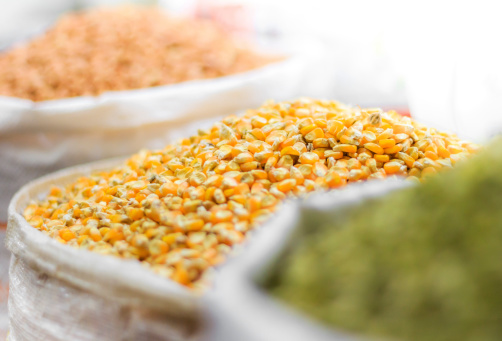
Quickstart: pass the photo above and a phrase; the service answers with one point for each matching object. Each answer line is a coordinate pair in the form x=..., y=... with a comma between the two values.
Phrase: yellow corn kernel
x=353, y=164
x=334, y=126
x=387, y=143
x=385, y=134
x=333, y=154
x=392, y=167
x=319, y=169
x=218, y=196
x=194, y=224
x=95, y=234
x=288, y=142
x=408, y=160
x=221, y=216
x=171, y=238
x=415, y=172
x=296, y=175
x=403, y=128
x=228, y=192
x=400, y=137
x=300, y=146
x=316, y=133
x=428, y=171
x=307, y=129
x=346, y=148
x=181, y=275
x=453, y=149
x=368, y=136
x=309, y=158
x=431, y=155
x=320, y=143
x=81, y=239
x=263, y=156
x=443, y=152
x=258, y=134
x=290, y=151
x=249, y=166
x=393, y=150
x=344, y=139
x=259, y=174
x=135, y=213
x=113, y=236
x=66, y=234
x=258, y=122
x=286, y=185
x=244, y=158
x=355, y=175
x=103, y=231
x=373, y=147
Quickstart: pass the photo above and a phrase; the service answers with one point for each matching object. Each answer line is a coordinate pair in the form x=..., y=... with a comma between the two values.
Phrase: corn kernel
x=309, y=158
x=373, y=147
x=392, y=167
x=387, y=143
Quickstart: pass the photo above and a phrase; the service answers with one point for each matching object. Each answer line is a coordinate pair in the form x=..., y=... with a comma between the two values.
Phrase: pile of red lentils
x=180, y=210
x=88, y=53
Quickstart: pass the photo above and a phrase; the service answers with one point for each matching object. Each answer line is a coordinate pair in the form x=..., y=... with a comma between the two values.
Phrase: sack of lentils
x=146, y=235
x=100, y=83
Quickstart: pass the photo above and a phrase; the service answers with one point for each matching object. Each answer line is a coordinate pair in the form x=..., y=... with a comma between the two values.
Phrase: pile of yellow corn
x=179, y=210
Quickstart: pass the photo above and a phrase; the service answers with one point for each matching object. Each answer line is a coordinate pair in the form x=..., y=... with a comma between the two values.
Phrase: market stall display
x=205, y=200
x=180, y=210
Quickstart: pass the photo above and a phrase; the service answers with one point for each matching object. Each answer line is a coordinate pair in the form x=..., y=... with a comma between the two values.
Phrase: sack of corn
x=110, y=250
x=103, y=83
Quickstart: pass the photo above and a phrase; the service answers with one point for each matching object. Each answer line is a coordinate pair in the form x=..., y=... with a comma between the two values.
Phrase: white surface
x=448, y=53
x=21, y=19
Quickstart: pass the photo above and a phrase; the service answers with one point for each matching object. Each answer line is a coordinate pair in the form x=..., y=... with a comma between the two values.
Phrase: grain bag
x=61, y=293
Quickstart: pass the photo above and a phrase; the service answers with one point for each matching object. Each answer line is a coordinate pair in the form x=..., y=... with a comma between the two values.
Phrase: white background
x=440, y=58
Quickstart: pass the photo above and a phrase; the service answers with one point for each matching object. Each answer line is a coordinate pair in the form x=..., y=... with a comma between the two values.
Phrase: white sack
x=60, y=293
x=37, y=138
x=240, y=310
